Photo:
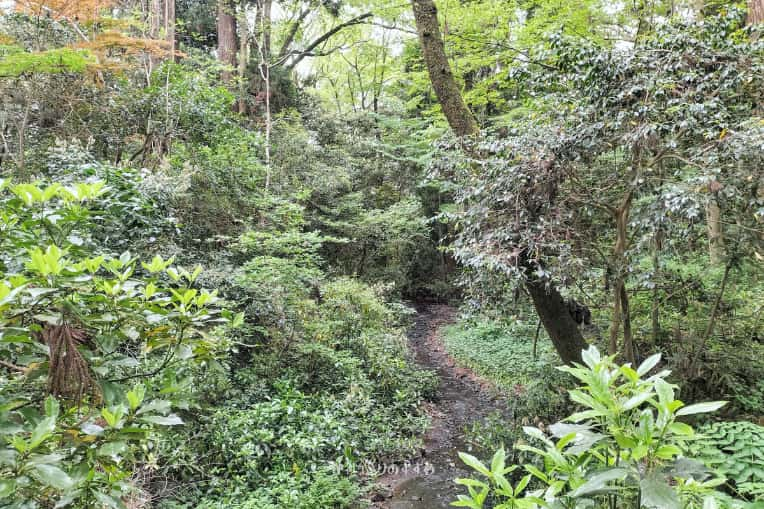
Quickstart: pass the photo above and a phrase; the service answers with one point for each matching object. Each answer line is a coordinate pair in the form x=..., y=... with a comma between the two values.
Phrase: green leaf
x=639, y=452
x=52, y=407
x=665, y=391
x=680, y=428
x=591, y=356
x=53, y=61
x=157, y=405
x=522, y=484
x=112, y=448
x=583, y=416
x=466, y=481
x=8, y=457
x=629, y=373
x=464, y=501
x=598, y=482
x=637, y=400
x=135, y=396
x=657, y=494
x=107, y=500
x=668, y=451
x=7, y=487
x=624, y=441
x=648, y=364
x=474, y=463
x=42, y=432
x=53, y=476
x=534, y=433
x=498, y=461
x=536, y=472
x=701, y=408
x=169, y=420
x=583, y=398
x=91, y=429
x=709, y=502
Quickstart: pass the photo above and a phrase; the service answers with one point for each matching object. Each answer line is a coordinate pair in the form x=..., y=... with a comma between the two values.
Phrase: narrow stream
x=428, y=483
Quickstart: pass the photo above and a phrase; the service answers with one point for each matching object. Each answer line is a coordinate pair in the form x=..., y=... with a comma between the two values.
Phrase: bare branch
x=308, y=51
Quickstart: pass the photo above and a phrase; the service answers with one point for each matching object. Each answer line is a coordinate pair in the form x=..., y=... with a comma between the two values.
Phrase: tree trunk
x=459, y=117
x=711, y=319
x=227, y=46
x=621, y=313
x=755, y=12
x=715, y=233
x=263, y=42
x=550, y=306
x=267, y=6
x=169, y=26
x=559, y=325
x=161, y=16
x=656, y=305
x=243, y=60
x=155, y=13
x=628, y=337
x=615, y=321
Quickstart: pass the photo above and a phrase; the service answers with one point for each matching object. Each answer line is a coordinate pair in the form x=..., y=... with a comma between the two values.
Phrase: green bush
x=324, y=489
x=625, y=448
x=330, y=386
x=97, y=349
x=736, y=451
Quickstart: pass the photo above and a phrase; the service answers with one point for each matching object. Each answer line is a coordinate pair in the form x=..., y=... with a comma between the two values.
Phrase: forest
x=347, y=254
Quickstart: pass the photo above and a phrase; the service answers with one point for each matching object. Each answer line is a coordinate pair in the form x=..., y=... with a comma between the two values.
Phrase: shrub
x=324, y=489
x=736, y=451
x=105, y=341
x=626, y=447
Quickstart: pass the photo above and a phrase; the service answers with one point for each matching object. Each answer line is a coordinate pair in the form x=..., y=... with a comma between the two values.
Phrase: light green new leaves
x=53, y=61
x=627, y=442
x=48, y=262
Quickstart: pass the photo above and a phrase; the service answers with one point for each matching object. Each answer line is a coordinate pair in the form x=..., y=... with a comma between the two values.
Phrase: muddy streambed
x=427, y=482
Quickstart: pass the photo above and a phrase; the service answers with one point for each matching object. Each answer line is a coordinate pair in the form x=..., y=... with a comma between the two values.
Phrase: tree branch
x=293, y=28
x=12, y=367
x=308, y=51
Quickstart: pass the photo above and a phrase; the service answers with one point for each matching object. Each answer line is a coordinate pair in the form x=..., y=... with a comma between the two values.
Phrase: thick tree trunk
x=559, y=325
x=459, y=117
x=755, y=12
x=227, y=46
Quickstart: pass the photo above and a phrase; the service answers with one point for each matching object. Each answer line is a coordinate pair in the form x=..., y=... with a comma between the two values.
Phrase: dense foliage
x=624, y=449
x=216, y=217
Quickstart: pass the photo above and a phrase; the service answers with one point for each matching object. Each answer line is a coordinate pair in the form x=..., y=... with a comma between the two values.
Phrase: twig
x=12, y=366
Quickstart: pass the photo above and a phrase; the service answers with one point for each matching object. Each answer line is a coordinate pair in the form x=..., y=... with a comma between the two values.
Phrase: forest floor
x=463, y=397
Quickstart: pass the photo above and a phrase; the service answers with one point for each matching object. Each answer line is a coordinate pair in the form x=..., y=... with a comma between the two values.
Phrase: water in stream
x=429, y=483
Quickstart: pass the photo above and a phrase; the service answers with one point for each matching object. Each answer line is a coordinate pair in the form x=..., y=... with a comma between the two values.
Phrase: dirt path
x=428, y=482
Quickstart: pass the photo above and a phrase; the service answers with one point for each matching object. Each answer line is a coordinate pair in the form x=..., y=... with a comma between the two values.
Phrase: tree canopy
x=268, y=254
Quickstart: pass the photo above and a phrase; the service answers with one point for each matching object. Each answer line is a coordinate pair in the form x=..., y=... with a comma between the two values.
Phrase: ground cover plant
x=219, y=220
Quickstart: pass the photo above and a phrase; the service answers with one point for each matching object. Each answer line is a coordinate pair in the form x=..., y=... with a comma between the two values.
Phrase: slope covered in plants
x=217, y=218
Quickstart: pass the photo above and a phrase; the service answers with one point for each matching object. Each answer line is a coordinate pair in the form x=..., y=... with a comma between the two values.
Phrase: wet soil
x=427, y=482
